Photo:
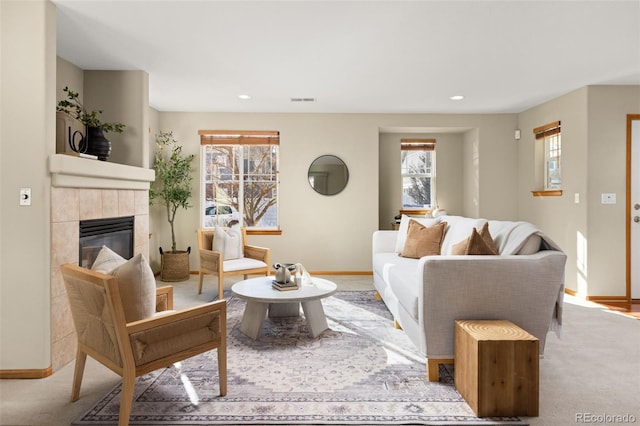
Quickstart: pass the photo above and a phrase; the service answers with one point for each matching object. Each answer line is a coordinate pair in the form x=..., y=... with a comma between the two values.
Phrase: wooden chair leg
x=126, y=398
x=222, y=369
x=200, y=278
x=81, y=359
x=220, y=285
x=220, y=289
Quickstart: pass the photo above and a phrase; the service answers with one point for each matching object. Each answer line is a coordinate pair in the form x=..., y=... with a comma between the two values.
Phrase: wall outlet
x=608, y=198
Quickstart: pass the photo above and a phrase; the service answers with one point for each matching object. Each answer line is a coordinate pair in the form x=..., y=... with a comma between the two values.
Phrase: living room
x=492, y=174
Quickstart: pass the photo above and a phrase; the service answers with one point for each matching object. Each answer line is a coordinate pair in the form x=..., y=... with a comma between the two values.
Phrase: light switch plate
x=25, y=196
x=608, y=198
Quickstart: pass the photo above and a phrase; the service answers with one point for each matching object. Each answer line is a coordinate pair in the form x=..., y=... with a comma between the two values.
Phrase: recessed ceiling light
x=456, y=97
x=244, y=97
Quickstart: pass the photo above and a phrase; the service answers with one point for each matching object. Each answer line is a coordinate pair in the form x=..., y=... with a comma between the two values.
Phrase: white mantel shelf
x=68, y=171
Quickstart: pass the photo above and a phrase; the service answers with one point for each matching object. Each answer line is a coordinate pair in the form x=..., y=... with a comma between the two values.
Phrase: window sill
x=264, y=232
x=415, y=212
x=548, y=193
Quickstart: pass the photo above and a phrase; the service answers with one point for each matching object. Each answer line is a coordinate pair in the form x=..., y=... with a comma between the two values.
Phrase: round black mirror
x=328, y=175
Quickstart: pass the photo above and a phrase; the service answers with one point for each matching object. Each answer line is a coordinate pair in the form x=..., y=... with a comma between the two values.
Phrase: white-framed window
x=418, y=169
x=550, y=135
x=239, y=176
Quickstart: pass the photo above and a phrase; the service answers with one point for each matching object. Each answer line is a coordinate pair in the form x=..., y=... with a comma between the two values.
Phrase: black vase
x=98, y=145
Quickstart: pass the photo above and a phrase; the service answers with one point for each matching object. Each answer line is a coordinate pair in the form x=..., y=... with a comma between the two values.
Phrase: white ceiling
x=356, y=56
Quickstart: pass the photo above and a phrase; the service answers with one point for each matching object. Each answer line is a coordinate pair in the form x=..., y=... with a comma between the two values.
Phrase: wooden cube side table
x=497, y=367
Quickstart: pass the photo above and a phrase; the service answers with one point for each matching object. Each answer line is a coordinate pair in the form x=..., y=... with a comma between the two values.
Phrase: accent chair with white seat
x=224, y=252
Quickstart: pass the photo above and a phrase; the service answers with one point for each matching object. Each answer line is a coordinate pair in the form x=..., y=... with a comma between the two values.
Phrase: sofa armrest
x=384, y=241
x=524, y=289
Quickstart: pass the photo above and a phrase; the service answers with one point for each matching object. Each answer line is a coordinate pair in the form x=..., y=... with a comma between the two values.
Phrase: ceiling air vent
x=303, y=99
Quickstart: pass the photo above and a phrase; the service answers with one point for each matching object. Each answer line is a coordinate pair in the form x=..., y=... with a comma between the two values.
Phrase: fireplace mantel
x=68, y=171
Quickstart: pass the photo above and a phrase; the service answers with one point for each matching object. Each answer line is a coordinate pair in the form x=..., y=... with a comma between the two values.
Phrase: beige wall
x=593, y=162
x=560, y=218
x=608, y=107
x=123, y=96
x=28, y=138
x=334, y=233
x=471, y=173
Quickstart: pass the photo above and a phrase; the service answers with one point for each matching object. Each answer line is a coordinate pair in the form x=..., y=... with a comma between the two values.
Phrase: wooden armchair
x=256, y=260
x=139, y=347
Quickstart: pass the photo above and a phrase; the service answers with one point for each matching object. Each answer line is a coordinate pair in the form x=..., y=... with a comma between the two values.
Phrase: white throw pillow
x=107, y=261
x=458, y=229
x=229, y=242
x=404, y=228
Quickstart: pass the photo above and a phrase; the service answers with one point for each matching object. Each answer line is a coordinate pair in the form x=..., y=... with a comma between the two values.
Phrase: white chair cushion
x=243, y=263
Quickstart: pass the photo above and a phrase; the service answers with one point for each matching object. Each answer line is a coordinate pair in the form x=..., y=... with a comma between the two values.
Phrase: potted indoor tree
x=93, y=141
x=172, y=188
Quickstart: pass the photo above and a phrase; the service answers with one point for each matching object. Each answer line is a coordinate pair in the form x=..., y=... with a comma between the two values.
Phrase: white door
x=635, y=208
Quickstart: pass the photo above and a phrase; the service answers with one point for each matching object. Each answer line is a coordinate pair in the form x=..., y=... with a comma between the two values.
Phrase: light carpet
x=360, y=371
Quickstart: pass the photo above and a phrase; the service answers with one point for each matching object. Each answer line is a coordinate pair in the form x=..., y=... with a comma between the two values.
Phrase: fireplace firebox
x=115, y=233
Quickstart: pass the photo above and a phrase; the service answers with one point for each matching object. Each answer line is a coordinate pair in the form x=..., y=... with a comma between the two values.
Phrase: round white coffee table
x=262, y=298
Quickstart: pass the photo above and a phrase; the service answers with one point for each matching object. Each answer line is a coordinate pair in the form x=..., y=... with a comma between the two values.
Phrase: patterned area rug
x=360, y=371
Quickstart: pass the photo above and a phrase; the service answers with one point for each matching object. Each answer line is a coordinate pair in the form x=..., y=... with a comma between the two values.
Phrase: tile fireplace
x=88, y=190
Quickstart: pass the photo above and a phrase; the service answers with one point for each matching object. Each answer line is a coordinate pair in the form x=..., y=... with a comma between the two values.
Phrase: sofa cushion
x=473, y=245
x=228, y=242
x=403, y=281
x=458, y=228
x=423, y=240
x=404, y=227
x=385, y=262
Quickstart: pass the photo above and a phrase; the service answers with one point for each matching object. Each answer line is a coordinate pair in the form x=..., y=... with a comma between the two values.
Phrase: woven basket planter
x=174, y=265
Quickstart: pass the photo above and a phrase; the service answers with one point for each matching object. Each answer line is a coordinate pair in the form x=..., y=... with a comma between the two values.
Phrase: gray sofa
x=524, y=283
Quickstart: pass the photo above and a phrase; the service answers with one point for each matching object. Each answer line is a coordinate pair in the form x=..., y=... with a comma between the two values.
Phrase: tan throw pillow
x=423, y=240
x=474, y=244
x=404, y=228
x=486, y=236
x=137, y=286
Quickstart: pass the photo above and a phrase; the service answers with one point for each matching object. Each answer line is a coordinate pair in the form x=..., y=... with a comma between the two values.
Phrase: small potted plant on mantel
x=93, y=141
x=173, y=188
